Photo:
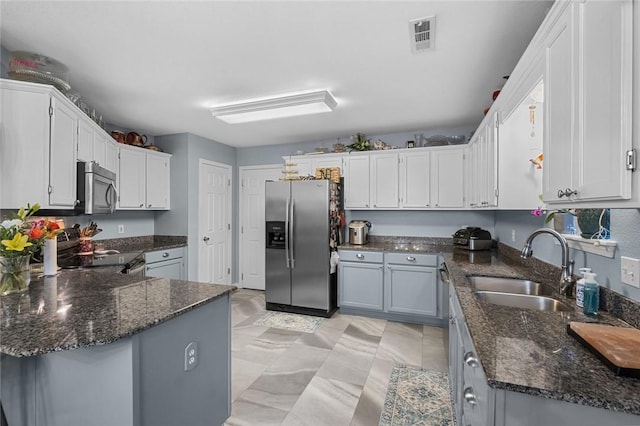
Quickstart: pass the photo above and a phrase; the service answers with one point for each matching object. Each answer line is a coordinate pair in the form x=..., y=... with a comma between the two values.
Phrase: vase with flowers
x=20, y=237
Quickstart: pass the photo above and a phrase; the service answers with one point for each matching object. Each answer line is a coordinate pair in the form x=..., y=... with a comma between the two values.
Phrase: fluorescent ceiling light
x=267, y=109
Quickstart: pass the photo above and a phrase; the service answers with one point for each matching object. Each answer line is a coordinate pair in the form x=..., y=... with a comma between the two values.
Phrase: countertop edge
x=42, y=351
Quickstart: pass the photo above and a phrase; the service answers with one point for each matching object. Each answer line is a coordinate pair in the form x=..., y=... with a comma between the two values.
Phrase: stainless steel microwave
x=96, y=189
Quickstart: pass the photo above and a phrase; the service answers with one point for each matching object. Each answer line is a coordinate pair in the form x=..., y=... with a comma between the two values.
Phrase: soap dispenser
x=580, y=288
x=591, y=294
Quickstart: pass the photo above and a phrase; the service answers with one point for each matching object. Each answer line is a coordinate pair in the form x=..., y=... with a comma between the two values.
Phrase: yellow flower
x=18, y=243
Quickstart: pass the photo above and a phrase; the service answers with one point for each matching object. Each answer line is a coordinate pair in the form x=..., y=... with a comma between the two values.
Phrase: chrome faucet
x=566, y=280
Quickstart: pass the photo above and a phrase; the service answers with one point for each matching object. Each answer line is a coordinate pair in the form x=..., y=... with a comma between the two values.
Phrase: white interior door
x=214, y=223
x=252, y=223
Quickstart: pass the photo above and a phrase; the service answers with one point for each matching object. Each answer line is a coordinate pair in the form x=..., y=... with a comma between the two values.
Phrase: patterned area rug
x=295, y=322
x=417, y=397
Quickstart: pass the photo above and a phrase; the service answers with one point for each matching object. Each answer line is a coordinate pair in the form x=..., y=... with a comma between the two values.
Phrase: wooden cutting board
x=618, y=347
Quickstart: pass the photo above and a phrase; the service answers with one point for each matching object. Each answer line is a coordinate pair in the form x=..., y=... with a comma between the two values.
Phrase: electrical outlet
x=630, y=271
x=121, y=229
x=190, y=356
x=513, y=235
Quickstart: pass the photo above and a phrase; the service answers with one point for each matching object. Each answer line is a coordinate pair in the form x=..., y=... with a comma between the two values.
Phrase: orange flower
x=35, y=233
x=51, y=229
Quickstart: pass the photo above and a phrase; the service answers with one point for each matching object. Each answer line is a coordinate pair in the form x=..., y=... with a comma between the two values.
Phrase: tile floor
x=337, y=375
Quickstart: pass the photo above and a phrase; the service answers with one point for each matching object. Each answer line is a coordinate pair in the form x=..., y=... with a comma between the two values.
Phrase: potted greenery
x=360, y=143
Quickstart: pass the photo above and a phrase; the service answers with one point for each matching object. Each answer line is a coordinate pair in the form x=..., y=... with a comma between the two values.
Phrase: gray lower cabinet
x=167, y=263
x=411, y=284
x=473, y=400
x=395, y=286
x=360, y=279
x=477, y=404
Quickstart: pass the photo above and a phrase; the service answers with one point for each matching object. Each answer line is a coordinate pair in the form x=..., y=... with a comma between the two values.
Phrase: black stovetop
x=94, y=261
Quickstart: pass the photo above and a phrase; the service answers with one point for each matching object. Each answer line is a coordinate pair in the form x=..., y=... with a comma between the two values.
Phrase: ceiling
x=155, y=66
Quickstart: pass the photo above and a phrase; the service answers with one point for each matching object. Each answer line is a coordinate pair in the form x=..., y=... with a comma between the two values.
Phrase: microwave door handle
x=110, y=201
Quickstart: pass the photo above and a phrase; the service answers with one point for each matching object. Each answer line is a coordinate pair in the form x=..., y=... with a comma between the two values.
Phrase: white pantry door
x=214, y=223
x=252, y=225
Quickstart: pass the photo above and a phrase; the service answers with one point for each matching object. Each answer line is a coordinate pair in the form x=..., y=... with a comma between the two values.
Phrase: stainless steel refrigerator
x=302, y=229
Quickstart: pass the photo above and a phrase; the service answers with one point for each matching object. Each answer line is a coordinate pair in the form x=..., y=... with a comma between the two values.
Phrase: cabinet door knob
x=471, y=360
x=411, y=258
x=165, y=254
x=560, y=193
x=205, y=239
x=569, y=192
x=360, y=256
x=149, y=206
x=470, y=396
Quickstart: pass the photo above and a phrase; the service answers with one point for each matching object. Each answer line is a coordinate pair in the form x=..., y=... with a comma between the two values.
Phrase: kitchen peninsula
x=89, y=347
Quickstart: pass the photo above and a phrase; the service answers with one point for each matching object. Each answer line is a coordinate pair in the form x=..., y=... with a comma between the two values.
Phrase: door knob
x=205, y=239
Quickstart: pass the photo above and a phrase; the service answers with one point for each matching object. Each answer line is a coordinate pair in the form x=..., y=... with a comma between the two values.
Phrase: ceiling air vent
x=422, y=32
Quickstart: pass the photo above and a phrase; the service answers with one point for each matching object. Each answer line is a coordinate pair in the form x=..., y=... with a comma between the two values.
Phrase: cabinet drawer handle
x=411, y=258
x=470, y=397
x=360, y=256
x=471, y=360
x=165, y=254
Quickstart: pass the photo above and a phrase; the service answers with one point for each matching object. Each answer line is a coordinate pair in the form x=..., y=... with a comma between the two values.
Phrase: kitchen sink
x=509, y=285
x=525, y=301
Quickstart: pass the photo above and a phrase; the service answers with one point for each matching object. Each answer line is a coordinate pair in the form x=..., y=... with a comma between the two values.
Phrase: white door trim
x=241, y=174
x=229, y=212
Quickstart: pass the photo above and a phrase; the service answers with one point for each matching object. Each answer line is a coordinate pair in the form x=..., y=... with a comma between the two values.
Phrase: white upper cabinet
x=356, y=181
x=447, y=177
x=132, y=179
x=519, y=146
x=415, y=180
x=383, y=169
x=158, y=181
x=588, y=103
x=85, y=141
x=62, y=151
x=38, y=135
x=143, y=179
x=306, y=165
x=325, y=161
x=94, y=144
x=111, y=156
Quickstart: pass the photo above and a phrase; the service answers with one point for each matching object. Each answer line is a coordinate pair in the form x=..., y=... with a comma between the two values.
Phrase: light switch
x=630, y=271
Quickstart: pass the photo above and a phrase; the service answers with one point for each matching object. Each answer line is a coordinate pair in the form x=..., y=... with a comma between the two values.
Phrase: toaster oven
x=473, y=238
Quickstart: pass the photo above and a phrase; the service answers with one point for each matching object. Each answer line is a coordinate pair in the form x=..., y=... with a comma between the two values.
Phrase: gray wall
x=625, y=230
x=187, y=150
x=441, y=224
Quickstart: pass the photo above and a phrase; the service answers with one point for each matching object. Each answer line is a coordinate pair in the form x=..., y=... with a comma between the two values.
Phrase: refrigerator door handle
x=286, y=232
x=292, y=247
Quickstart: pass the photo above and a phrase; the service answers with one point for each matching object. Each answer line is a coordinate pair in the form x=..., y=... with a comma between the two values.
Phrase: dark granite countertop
x=80, y=308
x=412, y=244
x=528, y=351
x=523, y=350
x=145, y=243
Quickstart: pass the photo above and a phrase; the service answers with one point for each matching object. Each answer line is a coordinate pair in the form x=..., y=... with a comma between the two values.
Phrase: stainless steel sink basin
x=525, y=301
x=508, y=285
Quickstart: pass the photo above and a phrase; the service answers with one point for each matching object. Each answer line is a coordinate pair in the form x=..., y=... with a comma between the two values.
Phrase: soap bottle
x=591, y=294
x=580, y=288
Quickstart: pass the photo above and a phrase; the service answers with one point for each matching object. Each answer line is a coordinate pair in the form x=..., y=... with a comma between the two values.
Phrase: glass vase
x=14, y=274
